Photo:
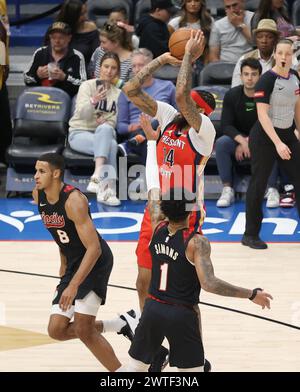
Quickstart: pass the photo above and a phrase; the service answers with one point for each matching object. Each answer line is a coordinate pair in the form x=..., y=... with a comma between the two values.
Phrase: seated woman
x=117, y=40
x=92, y=128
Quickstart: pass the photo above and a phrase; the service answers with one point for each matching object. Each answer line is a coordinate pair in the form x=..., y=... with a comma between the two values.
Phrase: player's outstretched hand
x=263, y=299
x=145, y=122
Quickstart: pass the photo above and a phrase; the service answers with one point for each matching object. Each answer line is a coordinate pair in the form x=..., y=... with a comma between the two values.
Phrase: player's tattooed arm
x=154, y=207
x=183, y=88
x=209, y=282
x=133, y=88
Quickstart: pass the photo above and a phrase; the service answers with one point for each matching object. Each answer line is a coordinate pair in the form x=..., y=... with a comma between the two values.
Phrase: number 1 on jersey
x=163, y=277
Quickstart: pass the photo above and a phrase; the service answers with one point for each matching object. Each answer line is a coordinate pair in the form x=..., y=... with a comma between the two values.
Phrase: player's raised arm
x=152, y=176
x=193, y=49
x=133, y=88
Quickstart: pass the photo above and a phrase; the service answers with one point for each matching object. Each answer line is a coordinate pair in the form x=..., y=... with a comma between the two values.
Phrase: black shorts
x=97, y=279
x=179, y=324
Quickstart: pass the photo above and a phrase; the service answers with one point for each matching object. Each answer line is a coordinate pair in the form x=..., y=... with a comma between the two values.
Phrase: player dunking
x=181, y=267
x=86, y=260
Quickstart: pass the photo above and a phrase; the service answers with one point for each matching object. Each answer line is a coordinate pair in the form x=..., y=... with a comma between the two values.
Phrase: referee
x=272, y=137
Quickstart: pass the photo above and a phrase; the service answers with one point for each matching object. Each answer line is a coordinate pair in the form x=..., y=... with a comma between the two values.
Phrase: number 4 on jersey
x=169, y=156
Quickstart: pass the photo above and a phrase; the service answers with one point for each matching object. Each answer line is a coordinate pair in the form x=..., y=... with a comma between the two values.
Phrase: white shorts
x=88, y=305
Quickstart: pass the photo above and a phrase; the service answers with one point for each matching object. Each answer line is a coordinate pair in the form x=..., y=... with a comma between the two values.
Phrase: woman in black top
x=273, y=136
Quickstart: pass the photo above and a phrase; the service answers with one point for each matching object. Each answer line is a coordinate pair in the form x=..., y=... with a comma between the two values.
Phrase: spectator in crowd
x=194, y=15
x=5, y=120
x=85, y=35
x=114, y=39
x=57, y=65
x=238, y=116
x=152, y=28
x=119, y=16
x=231, y=36
x=92, y=128
x=276, y=10
x=128, y=123
x=266, y=36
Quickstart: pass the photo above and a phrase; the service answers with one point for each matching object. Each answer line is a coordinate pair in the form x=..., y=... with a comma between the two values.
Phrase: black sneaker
x=132, y=319
x=253, y=242
x=160, y=360
x=207, y=366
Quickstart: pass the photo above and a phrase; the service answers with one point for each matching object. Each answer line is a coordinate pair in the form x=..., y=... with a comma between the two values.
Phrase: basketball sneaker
x=160, y=360
x=207, y=366
x=288, y=199
x=132, y=319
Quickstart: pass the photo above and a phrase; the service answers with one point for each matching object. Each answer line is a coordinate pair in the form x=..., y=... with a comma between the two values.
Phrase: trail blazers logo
x=43, y=97
x=54, y=220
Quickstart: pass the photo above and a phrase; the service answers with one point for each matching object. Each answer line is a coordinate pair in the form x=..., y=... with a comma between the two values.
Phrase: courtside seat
x=40, y=126
x=219, y=73
x=76, y=160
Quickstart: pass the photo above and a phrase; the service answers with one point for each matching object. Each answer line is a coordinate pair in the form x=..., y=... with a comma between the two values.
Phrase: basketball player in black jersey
x=86, y=260
x=181, y=266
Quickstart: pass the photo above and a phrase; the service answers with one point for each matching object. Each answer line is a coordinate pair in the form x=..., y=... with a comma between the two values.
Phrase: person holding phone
x=92, y=128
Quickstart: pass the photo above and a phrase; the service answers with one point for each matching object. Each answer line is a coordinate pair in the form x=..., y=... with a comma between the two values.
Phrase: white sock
x=114, y=325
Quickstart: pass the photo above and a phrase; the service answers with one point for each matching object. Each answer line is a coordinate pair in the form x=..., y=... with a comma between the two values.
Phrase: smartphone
x=101, y=83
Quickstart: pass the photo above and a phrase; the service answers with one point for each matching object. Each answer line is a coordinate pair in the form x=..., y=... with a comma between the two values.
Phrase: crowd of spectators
x=77, y=58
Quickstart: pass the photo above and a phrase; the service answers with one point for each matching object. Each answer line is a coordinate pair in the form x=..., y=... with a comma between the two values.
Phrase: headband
x=201, y=103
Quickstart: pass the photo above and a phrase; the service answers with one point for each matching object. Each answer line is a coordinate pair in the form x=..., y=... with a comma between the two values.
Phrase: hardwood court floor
x=233, y=342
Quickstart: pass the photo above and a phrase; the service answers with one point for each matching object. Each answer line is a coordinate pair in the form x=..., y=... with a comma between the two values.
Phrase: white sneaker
x=93, y=185
x=226, y=198
x=108, y=197
x=131, y=318
x=273, y=198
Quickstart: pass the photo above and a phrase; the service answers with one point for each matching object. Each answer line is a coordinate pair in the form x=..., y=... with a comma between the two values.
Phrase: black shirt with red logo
x=61, y=228
x=281, y=94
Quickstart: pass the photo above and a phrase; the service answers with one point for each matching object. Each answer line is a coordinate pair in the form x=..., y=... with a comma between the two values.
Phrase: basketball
x=178, y=41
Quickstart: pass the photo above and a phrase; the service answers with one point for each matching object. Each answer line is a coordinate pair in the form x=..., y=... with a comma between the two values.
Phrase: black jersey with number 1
x=174, y=278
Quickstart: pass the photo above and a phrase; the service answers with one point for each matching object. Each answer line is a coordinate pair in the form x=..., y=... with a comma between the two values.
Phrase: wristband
x=241, y=26
x=254, y=292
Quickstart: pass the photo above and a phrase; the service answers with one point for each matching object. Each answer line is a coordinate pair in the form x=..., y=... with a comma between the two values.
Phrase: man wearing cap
x=266, y=36
x=57, y=65
x=153, y=29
